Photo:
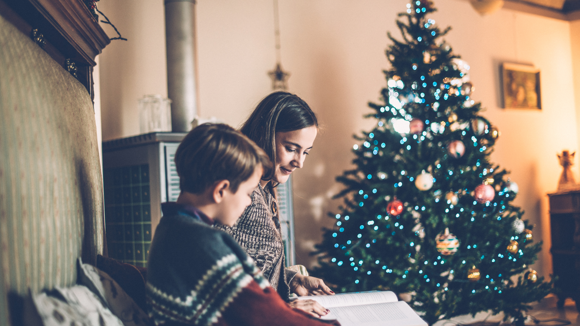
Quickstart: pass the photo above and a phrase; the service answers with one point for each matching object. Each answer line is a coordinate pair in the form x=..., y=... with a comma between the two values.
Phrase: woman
x=285, y=127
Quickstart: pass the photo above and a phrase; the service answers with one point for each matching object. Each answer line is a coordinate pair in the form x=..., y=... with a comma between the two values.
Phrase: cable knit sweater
x=197, y=275
x=258, y=232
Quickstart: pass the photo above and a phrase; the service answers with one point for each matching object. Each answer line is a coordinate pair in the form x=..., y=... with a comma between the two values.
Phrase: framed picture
x=520, y=86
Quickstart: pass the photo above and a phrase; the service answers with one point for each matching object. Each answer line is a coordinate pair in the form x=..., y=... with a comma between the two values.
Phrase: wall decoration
x=520, y=86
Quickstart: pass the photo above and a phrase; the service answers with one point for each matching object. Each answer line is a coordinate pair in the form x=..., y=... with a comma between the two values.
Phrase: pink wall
x=334, y=50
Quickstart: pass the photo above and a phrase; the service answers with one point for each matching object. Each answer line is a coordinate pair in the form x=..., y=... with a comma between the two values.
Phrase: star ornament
x=279, y=78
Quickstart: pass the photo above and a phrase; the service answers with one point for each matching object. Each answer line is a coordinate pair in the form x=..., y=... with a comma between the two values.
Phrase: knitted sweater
x=197, y=275
x=258, y=232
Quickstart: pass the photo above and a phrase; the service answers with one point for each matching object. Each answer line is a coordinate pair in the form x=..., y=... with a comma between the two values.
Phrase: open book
x=373, y=308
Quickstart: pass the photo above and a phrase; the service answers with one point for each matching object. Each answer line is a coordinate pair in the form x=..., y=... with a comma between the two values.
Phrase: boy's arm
x=257, y=306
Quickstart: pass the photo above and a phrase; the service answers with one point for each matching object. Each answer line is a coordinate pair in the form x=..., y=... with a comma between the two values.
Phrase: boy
x=198, y=275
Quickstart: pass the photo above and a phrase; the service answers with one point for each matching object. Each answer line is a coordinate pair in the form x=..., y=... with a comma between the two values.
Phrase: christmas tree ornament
x=513, y=247
x=528, y=235
x=452, y=198
x=518, y=225
x=416, y=126
x=424, y=181
x=473, y=274
x=452, y=118
x=512, y=186
x=532, y=276
x=447, y=243
x=494, y=132
x=479, y=126
x=456, y=148
x=467, y=88
x=395, y=207
x=426, y=57
x=484, y=193
x=489, y=181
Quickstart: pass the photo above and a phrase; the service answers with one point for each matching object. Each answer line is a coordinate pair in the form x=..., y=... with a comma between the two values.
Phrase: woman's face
x=291, y=150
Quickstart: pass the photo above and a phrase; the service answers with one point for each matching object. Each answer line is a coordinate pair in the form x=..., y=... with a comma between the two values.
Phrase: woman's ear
x=219, y=190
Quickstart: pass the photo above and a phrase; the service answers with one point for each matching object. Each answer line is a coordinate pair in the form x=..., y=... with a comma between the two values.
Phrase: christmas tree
x=425, y=211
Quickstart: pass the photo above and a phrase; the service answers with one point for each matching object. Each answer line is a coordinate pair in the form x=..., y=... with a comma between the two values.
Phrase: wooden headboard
x=51, y=202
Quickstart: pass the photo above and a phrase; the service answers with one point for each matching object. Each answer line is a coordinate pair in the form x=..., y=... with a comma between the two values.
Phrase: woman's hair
x=215, y=152
x=278, y=112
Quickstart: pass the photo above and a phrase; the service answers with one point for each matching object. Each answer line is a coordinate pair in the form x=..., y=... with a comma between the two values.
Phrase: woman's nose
x=298, y=160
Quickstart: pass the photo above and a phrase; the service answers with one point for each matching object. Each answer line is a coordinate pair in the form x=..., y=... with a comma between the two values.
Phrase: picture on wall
x=520, y=86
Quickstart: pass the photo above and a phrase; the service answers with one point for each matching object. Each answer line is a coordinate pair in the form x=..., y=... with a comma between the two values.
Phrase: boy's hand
x=308, y=285
x=310, y=306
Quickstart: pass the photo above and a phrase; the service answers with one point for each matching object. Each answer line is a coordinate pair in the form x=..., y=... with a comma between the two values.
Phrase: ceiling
x=562, y=9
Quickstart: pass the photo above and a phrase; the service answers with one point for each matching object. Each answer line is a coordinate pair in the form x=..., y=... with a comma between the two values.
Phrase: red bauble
x=456, y=148
x=416, y=126
x=484, y=193
x=395, y=207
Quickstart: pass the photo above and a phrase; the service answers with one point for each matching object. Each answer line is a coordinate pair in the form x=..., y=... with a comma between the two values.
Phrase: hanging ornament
x=467, y=88
x=456, y=149
x=424, y=181
x=494, y=132
x=513, y=247
x=447, y=243
x=452, y=118
x=528, y=235
x=452, y=198
x=484, y=193
x=416, y=126
x=395, y=207
x=489, y=181
x=479, y=126
x=426, y=57
x=532, y=276
x=512, y=186
x=519, y=226
x=279, y=77
x=473, y=274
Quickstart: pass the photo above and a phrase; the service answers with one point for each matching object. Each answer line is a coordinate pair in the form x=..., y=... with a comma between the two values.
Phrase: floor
x=546, y=314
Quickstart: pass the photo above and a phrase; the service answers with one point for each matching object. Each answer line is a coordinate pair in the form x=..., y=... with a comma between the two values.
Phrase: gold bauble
x=513, y=247
x=473, y=274
x=533, y=276
x=452, y=117
x=488, y=181
x=528, y=235
x=494, y=132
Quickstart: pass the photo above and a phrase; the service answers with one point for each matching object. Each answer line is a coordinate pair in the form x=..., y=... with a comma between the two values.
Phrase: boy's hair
x=213, y=152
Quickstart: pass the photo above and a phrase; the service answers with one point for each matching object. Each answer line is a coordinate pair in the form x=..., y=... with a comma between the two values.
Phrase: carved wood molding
x=70, y=33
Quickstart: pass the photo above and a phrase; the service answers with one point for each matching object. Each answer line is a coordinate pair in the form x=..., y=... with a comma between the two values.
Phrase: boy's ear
x=219, y=190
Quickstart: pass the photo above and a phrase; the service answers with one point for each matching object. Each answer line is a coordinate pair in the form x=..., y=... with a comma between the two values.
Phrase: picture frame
x=520, y=85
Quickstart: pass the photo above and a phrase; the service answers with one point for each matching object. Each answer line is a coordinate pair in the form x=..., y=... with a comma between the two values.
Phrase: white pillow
x=76, y=305
x=112, y=295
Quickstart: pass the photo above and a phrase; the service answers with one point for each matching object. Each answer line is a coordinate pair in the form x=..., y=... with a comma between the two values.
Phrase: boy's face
x=234, y=204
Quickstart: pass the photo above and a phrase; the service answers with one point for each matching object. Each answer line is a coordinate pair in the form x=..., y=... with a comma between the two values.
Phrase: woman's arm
x=257, y=306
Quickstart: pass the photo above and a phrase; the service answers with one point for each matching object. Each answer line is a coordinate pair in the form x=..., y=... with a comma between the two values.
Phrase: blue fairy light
x=334, y=235
x=339, y=223
x=355, y=147
x=362, y=227
x=341, y=230
x=333, y=260
x=361, y=204
x=374, y=191
x=369, y=273
x=336, y=245
x=359, y=235
x=371, y=135
x=339, y=263
x=370, y=176
x=348, y=242
x=356, y=282
x=346, y=218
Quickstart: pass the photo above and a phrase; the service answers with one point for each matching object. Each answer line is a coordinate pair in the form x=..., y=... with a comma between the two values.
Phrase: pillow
x=112, y=295
x=131, y=278
x=76, y=305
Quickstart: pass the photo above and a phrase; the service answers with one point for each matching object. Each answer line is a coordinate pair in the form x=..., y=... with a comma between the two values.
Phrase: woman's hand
x=308, y=285
x=310, y=306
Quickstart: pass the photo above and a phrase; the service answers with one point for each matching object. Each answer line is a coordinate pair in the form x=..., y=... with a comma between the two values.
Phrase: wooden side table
x=565, y=225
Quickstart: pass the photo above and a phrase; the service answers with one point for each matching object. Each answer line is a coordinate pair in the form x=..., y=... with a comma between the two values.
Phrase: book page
x=391, y=313
x=354, y=298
